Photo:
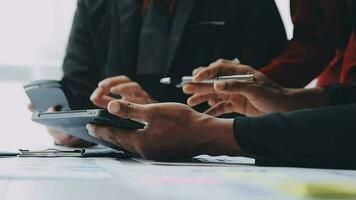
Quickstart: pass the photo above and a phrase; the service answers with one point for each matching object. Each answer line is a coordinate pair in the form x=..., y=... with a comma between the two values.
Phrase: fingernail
x=236, y=60
x=100, y=84
x=220, y=85
x=185, y=88
x=114, y=107
x=196, y=79
x=90, y=130
x=93, y=96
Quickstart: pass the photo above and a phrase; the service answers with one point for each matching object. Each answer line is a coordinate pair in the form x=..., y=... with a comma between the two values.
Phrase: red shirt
x=342, y=69
x=321, y=32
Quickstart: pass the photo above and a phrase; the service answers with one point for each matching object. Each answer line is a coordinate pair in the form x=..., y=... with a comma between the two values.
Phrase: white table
x=104, y=178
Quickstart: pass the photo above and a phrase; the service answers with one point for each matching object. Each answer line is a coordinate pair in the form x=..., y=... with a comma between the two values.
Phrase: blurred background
x=33, y=37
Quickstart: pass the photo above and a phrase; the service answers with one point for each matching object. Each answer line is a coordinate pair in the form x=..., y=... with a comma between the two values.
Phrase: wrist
x=220, y=134
x=308, y=98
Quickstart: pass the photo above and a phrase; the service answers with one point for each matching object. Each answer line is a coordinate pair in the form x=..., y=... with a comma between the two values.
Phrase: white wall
x=283, y=6
x=33, y=34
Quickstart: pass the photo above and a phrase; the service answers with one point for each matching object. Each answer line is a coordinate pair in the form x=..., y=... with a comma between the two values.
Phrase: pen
x=189, y=79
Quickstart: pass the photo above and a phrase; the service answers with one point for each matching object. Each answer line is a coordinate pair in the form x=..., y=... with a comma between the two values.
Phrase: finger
x=213, y=101
x=233, y=86
x=195, y=71
x=129, y=110
x=53, y=109
x=193, y=88
x=104, y=89
x=67, y=140
x=220, y=109
x=100, y=98
x=119, y=137
x=213, y=70
x=138, y=100
x=128, y=89
x=199, y=98
x=110, y=82
x=222, y=68
x=30, y=108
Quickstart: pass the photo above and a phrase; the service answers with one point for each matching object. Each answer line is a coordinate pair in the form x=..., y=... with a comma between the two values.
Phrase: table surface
x=108, y=178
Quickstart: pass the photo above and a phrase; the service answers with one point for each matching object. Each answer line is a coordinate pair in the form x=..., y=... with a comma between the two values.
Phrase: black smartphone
x=45, y=94
x=74, y=122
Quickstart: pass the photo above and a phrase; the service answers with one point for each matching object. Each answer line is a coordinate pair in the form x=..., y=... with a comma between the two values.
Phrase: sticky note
x=330, y=190
x=322, y=190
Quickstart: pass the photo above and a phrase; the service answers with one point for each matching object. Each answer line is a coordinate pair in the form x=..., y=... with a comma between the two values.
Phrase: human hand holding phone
x=61, y=138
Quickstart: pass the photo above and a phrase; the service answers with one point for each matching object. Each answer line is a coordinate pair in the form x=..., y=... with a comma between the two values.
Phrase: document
x=204, y=160
x=52, y=168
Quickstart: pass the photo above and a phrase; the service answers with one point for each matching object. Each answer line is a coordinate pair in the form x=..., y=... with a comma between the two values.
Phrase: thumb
x=128, y=110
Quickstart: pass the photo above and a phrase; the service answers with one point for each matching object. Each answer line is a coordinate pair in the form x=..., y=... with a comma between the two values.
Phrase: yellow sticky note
x=322, y=190
x=331, y=190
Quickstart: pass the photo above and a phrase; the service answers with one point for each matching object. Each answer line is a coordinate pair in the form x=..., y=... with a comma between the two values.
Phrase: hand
x=120, y=85
x=254, y=98
x=63, y=138
x=174, y=131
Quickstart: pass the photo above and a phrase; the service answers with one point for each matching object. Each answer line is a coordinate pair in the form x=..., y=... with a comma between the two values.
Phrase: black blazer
x=103, y=42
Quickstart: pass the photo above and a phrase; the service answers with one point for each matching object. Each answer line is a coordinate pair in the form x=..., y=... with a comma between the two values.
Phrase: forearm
x=341, y=94
x=321, y=137
x=320, y=96
x=307, y=98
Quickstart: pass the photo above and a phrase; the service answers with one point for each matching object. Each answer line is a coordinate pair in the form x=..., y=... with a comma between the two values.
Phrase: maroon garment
x=343, y=67
x=321, y=32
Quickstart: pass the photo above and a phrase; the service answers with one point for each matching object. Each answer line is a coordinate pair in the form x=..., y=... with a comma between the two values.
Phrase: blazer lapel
x=183, y=13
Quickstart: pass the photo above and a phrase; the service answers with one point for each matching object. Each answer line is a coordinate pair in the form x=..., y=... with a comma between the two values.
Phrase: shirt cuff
x=341, y=94
x=257, y=136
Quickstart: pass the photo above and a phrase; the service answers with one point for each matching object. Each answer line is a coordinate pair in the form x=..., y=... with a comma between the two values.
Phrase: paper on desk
x=225, y=160
x=51, y=168
x=204, y=160
x=239, y=182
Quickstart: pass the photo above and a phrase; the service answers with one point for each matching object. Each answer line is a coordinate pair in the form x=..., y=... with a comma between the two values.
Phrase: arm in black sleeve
x=321, y=138
x=81, y=71
x=341, y=94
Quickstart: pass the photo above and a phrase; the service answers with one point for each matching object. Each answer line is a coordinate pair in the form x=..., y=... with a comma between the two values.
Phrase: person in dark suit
x=128, y=45
x=286, y=127
x=114, y=38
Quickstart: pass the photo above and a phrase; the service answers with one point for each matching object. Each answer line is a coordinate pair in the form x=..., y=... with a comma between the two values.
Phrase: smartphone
x=45, y=94
x=74, y=123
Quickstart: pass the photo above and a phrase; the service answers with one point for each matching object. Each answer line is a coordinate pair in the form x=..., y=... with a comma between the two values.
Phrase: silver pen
x=189, y=79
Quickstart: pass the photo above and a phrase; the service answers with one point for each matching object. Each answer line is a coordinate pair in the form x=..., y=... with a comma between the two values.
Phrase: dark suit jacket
x=103, y=42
